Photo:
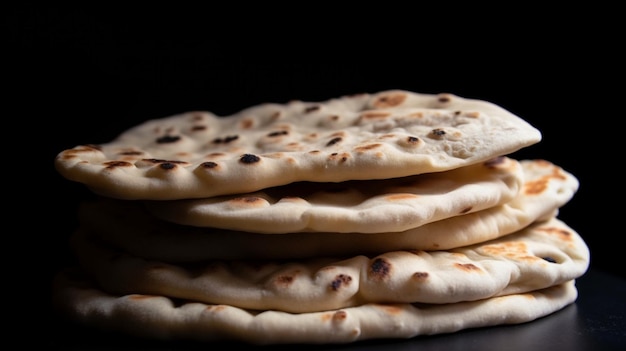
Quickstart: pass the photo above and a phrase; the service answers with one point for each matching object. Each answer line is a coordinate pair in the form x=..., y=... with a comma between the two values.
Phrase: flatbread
x=539, y=256
x=127, y=225
x=388, y=134
x=362, y=206
x=162, y=318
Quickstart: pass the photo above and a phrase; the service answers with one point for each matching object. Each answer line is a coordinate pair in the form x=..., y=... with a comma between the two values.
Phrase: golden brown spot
x=342, y=158
x=69, y=154
x=325, y=317
x=437, y=133
x=420, y=275
x=380, y=269
x=215, y=308
x=284, y=280
x=528, y=296
x=334, y=118
x=246, y=123
x=275, y=155
x=468, y=267
x=310, y=109
x=416, y=115
x=116, y=164
x=369, y=115
x=536, y=187
x=276, y=115
x=513, y=250
x=131, y=153
x=390, y=309
x=340, y=281
x=400, y=197
x=390, y=100
x=364, y=148
x=198, y=128
x=472, y=114
x=444, y=98
x=314, y=151
x=340, y=316
x=564, y=235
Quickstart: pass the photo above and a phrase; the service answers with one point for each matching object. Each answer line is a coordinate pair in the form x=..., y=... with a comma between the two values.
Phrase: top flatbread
x=366, y=136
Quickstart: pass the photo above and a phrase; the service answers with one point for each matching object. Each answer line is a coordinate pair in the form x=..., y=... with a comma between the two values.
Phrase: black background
x=76, y=75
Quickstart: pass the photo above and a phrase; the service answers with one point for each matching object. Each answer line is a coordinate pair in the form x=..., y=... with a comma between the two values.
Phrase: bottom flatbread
x=159, y=317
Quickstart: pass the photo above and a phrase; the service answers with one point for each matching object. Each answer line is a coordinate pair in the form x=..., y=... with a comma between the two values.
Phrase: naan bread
x=162, y=318
x=539, y=256
x=368, y=136
x=126, y=224
x=362, y=206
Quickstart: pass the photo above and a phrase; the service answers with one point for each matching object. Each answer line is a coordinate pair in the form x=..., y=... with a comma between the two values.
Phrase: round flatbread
x=361, y=206
x=162, y=318
x=126, y=224
x=388, y=134
x=539, y=256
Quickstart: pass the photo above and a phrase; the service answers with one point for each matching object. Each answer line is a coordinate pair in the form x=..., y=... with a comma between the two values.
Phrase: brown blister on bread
x=208, y=165
x=110, y=165
x=387, y=100
x=420, y=276
x=340, y=281
x=563, y=235
x=249, y=159
x=380, y=269
x=339, y=157
x=550, y=172
x=468, y=267
x=284, y=280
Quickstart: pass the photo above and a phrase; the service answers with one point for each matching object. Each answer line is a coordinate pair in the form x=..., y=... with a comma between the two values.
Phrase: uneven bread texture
x=127, y=225
x=539, y=256
x=388, y=134
x=362, y=206
x=161, y=318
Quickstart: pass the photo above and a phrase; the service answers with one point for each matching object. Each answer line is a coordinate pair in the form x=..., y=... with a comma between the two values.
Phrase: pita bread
x=162, y=318
x=537, y=257
x=126, y=224
x=388, y=134
x=363, y=206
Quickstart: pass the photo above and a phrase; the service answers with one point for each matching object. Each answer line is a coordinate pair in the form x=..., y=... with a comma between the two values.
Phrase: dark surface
x=78, y=74
x=596, y=321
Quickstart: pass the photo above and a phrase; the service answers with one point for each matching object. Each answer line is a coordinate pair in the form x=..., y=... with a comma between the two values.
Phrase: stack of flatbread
x=369, y=216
